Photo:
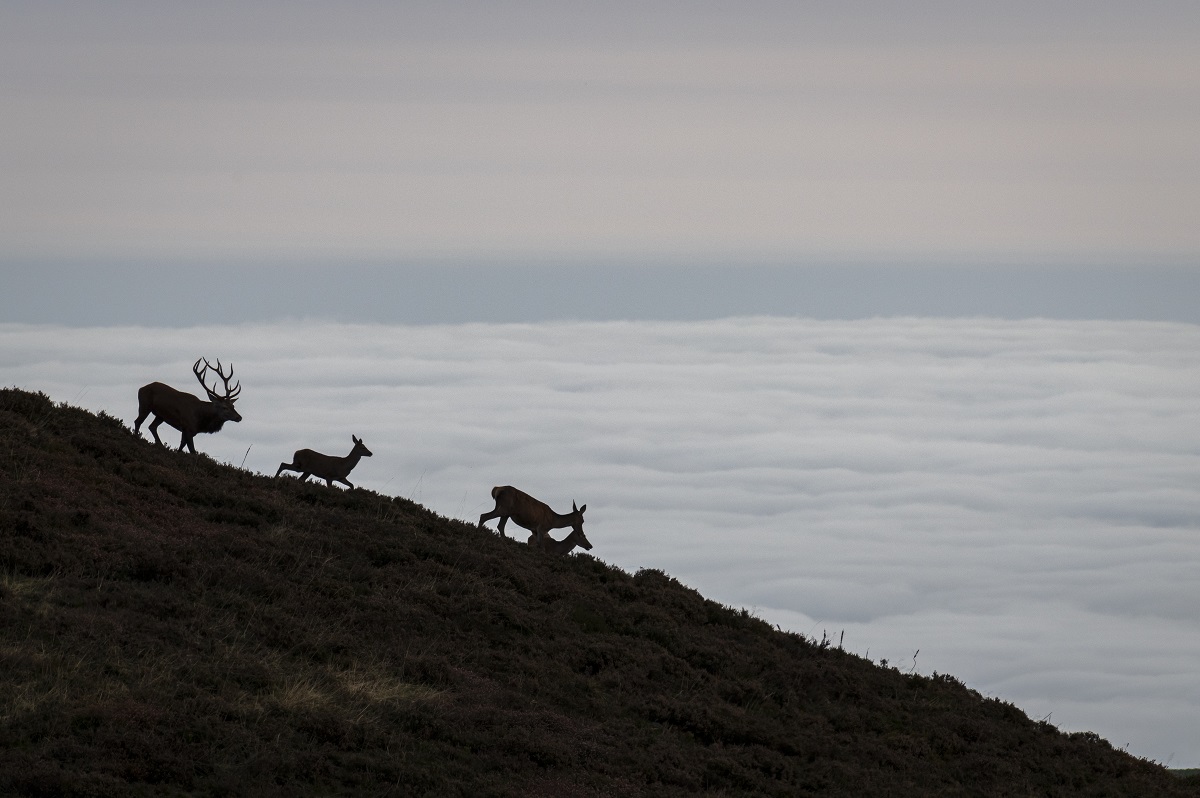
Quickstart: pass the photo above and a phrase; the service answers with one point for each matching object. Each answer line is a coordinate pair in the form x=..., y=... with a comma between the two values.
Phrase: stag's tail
x=496, y=491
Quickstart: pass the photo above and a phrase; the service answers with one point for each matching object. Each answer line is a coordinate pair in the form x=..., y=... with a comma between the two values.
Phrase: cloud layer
x=1017, y=501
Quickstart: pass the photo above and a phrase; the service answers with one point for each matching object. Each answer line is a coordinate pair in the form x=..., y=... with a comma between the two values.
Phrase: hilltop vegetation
x=172, y=625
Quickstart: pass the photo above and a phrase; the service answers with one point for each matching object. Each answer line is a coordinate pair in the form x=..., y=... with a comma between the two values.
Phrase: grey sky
x=187, y=293
x=170, y=131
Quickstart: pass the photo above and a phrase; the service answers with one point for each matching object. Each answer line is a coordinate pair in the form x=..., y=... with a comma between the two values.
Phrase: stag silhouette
x=186, y=413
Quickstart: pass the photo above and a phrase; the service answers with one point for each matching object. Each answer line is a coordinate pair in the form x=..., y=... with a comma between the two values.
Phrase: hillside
x=171, y=625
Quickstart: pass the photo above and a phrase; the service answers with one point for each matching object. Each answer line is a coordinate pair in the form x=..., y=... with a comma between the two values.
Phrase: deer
x=185, y=412
x=327, y=467
x=565, y=546
x=529, y=513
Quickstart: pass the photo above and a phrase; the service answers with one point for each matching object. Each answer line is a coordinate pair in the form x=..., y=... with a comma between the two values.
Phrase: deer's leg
x=186, y=440
x=137, y=425
x=304, y=476
x=154, y=430
x=500, y=527
x=488, y=517
x=283, y=467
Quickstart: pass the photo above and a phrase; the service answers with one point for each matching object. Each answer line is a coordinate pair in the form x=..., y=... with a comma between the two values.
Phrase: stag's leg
x=500, y=526
x=284, y=467
x=346, y=482
x=186, y=440
x=137, y=424
x=304, y=476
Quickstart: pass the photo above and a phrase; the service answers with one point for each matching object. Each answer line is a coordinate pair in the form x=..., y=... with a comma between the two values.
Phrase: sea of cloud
x=1016, y=503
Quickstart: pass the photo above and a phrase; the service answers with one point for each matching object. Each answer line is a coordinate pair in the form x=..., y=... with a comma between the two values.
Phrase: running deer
x=327, y=467
x=531, y=514
x=565, y=546
x=186, y=413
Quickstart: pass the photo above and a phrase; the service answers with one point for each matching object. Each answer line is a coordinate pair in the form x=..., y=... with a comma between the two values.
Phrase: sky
x=759, y=130
x=899, y=297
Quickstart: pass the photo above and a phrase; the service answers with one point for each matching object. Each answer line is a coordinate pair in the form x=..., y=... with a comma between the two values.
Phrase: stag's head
x=222, y=402
x=360, y=448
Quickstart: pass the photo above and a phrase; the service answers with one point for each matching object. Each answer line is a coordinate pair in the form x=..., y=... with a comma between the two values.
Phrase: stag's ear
x=356, y=440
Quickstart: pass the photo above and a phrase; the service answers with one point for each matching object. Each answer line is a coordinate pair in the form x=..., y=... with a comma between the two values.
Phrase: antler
x=231, y=394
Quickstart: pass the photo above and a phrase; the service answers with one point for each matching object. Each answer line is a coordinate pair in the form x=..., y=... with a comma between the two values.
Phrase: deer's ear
x=356, y=440
x=581, y=509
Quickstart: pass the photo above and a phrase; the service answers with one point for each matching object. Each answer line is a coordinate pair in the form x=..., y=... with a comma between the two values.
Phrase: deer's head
x=221, y=402
x=577, y=523
x=582, y=541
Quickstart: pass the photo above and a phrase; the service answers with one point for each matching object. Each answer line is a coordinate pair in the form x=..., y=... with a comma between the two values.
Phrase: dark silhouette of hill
x=171, y=625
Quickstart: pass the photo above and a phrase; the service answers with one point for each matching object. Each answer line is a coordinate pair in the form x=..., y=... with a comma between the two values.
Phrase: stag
x=186, y=413
x=531, y=514
x=565, y=546
x=324, y=466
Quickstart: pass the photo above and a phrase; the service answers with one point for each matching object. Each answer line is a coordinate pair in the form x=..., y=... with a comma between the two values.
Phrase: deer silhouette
x=327, y=467
x=186, y=413
x=531, y=514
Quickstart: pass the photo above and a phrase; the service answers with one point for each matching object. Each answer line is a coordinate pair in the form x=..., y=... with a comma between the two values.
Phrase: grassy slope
x=171, y=625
